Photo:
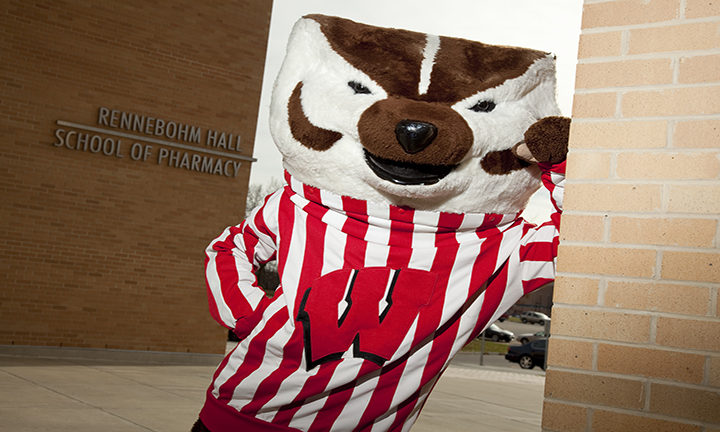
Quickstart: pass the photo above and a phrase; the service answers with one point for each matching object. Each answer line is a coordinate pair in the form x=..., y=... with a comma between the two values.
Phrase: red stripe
x=355, y=227
x=227, y=273
x=428, y=322
x=537, y=251
x=442, y=345
x=259, y=221
x=311, y=267
x=212, y=305
x=336, y=401
x=401, y=232
x=314, y=385
x=286, y=222
x=493, y=296
x=533, y=284
x=254, y=356
x=268, y=388
x=398, y=257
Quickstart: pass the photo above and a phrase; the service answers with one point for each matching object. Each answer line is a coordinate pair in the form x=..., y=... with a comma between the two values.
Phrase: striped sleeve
x=232, y=259
x=539, y=245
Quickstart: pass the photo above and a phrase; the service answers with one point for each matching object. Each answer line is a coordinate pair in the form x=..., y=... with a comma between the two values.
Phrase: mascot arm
x=547, y=141
x=232, y=260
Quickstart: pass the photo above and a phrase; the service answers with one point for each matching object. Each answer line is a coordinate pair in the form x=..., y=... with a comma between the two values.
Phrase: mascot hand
x=546, y=140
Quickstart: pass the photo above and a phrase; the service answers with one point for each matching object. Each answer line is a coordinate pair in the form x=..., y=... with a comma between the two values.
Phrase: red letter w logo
x=370, y=309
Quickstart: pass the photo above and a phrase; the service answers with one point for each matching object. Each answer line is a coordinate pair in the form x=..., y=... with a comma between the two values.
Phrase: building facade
x=635, y=340
x=127, y=135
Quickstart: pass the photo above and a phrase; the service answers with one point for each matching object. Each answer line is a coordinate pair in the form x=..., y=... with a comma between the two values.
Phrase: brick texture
x=621, y=422
x=584, y=166
x=559, y=417
x=629, y=12
x=699, y=199
x=663, y=231
x=699, y=69
x=583, y=227
x=616, y=326
x=572, y=354
x=573, y=290
x=701, y=8
x=697, y=134
x=692, y=266
x=614, y=197
x=618, y=135
x=658, y=297
x=600, y=44
x=102, y=251
x=714, y=372
x=685, y=403
x=672, y=102
x=693, y=36
x=688, y=333
x=594, y=105
x=624, y=73
x=607, y=260
x=595, y=389
x=639, y=254
x=653, y=166
x=650, y=362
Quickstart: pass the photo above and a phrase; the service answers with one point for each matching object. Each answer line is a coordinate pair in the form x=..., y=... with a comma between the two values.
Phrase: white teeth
x=432, y=45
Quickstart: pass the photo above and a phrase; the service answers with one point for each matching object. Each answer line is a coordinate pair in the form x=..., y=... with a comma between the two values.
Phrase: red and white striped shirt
x=374, y=301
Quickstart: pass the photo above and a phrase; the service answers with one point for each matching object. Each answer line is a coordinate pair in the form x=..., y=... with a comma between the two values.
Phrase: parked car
x=529, y=337
x=534, y=317
x=503, y=317
x=528, y=355
x=496, y=334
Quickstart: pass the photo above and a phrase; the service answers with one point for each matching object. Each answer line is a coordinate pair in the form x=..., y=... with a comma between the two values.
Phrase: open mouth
x=406, y=173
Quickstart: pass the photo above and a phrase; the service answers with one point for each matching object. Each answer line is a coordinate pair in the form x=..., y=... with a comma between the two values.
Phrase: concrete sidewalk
x=81, y=390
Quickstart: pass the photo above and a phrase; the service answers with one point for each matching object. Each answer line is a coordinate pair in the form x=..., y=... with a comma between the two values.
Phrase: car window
x=538, y=344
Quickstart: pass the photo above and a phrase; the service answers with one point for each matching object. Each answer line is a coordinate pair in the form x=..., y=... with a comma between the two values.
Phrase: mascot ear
x=546, y=140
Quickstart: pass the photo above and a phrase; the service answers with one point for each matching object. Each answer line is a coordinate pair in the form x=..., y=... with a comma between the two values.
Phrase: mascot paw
x=545, y=141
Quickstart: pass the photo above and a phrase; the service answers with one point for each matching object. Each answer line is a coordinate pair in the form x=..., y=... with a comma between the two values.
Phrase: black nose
x=414, y=136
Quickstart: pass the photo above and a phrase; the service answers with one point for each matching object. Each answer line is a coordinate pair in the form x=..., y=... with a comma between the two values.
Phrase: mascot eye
x=358, y=88
x=483, y=106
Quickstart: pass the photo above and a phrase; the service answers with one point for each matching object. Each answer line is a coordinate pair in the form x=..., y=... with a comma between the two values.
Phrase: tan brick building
x=636, y=319
x=127, y=130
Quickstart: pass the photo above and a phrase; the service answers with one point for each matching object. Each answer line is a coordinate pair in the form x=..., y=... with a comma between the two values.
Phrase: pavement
x=90, y=390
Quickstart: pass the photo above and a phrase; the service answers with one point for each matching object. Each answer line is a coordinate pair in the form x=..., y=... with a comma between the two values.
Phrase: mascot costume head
x=409, y=159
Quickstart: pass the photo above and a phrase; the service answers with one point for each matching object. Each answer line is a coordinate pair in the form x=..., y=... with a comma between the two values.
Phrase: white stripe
x=236, y=359
x=334, y=242
x=253, y=295
x=557, y=193
x=245, y=391
x=432, y=45
x=424, y=393
x=213, y=281
x=530, y=270
x=376, y=255
x=346, y=371
x=238, y=355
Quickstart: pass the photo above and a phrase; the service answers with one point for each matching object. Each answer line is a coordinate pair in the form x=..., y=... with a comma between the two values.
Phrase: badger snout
x=414, y=136
x=413, y=142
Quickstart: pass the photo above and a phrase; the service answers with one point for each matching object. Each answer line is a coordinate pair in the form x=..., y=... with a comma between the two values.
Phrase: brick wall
x=636, y=320
x=105, y=251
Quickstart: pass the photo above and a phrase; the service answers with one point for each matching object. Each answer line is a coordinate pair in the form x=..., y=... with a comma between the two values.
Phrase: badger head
x=407, y=118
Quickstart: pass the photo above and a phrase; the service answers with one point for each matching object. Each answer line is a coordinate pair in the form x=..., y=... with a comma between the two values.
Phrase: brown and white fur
x=352, y=104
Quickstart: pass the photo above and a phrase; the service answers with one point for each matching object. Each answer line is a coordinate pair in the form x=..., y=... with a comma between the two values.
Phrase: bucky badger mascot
x=409, y=158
